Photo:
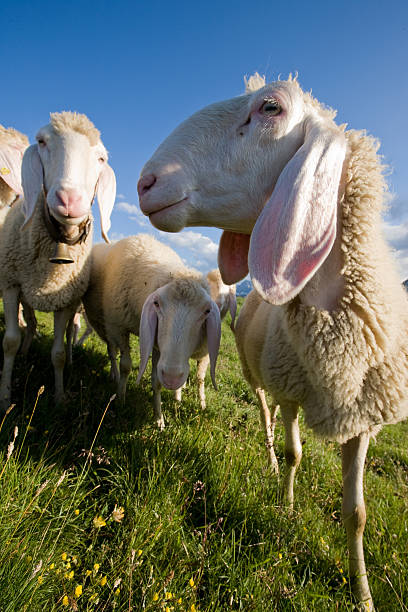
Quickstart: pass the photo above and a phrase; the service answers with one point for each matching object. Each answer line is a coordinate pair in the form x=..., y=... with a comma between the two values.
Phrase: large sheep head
x=178, y=317
x=266, y=168
x=12, y=146
x=69, y=162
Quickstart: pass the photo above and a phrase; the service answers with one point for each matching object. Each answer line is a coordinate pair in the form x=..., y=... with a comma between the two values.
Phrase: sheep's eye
x=272, y=107
x=41, y=142
x=102, y=160
x=207, y=311
x=156, y=303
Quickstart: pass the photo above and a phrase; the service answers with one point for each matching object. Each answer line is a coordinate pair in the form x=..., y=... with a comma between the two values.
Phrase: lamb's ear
x=32, y=175
x=147, y=333
x=213, y=328
x=232, y=306
x=297, y=227
x=10, y=167
x=106, y=194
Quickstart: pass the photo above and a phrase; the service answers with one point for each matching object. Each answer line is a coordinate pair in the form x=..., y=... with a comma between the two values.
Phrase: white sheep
x=300, y=201
x=12, y=147
x=140, y=286
x=225, y=298
x=61, y=175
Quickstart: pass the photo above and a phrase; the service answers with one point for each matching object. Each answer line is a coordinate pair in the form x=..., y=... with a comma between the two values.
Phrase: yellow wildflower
x=64, y=556
x=78, y=590
x=167, y=609
x=96, y=567
x=76, y=512
x=118, y=513
x=117, y=592
x=88, y=573
x=71, y=575
x=191, y=582
x=180, y=599
x=29, y=558
x=52, y=566
x=168, y=595
x=103, y=581
x=40, y=579
x=155, y=597
x=68, y=565
x=65, y=601
x=99, y=522
x=93, y=597
x=280, y=555
x=193, y=608
x=139, y=552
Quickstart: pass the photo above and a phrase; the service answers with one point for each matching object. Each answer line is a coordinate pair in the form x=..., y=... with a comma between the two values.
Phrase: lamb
x=225, y=298
x=61, y=175
x=141, y=286
x=300, y=200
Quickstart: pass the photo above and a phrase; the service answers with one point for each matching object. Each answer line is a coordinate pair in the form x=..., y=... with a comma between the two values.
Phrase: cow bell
x=61, y=254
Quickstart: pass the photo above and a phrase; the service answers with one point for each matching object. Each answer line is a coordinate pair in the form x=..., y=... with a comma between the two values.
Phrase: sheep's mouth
x=172, y=206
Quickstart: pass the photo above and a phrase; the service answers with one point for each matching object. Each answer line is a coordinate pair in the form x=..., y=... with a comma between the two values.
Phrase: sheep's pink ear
x=10, y=167
x=232, y=306
x=233, y=256
x=213, y=328
x=297, y=227
x=106, y=194
x=147, y=334
x=32, y=175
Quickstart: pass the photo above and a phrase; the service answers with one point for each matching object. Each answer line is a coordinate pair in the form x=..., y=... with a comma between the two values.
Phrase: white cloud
x=397, y=237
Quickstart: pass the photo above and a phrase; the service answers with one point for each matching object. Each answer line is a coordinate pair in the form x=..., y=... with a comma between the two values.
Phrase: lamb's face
x=220, y=166
x=71, y=167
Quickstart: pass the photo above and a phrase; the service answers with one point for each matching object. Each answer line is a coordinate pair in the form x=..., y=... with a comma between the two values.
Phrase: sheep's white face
x=180, y=332
x=267, y=164
x=220, y=166
x=71, y=168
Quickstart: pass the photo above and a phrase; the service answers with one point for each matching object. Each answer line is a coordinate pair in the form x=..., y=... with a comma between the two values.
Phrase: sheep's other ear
x=147, y=334
x=10, y=167
x=32, y=174
x=106, y=194
x=213, y=328
x=233, y=256
x=232, y=306
x=296, y=229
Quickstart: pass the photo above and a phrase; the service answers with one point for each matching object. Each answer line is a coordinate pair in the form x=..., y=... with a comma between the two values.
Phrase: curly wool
x=25, y=255
x=354, y=359
x=10, y=136
x=67, y=120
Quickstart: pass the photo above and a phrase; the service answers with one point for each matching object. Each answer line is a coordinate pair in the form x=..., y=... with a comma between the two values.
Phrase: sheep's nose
x=69, y=197
x=145, y=183
x=172, y=380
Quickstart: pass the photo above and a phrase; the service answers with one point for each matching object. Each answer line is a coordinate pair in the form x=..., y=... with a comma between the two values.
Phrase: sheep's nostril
x=145, y=183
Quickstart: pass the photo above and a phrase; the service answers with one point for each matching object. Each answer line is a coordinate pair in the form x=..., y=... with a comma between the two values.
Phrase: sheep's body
x=25, y=254
x=123, y=277
x=61, y=175
x=300, y=202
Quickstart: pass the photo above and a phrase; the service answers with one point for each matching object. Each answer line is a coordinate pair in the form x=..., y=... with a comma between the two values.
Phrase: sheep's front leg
x=156, y=386
x=31, y=327
x=293, y=448
x=125, y=366
x=268, y=422
x=114, y=371
x=11, y=342
x=58, y=354
x=177, y=393
x=202, y=365
x=354, y=515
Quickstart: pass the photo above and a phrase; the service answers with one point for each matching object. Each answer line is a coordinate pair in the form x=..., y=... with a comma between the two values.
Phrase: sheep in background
x=12, y=147
x=140, y=286
x=300, y=201
x=225, y=298
x=61, y=175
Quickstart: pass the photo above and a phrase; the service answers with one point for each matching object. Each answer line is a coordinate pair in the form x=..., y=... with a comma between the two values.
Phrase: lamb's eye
x=272, y=107
x=156, y=303
x=41, y=142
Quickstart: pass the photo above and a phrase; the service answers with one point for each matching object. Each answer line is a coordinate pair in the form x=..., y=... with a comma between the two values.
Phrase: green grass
x=199, y=501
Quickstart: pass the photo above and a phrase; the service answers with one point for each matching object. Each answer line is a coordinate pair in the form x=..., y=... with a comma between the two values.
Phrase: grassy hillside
x=202, y=526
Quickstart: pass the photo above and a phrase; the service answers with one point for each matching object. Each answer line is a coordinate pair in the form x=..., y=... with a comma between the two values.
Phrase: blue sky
x=138, y=68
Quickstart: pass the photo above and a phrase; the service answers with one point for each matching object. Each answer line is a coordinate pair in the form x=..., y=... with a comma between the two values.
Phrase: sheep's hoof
x=160, y=424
